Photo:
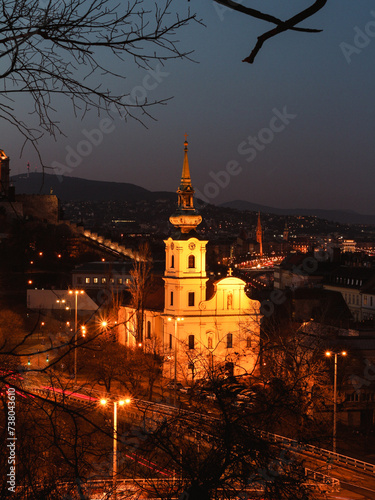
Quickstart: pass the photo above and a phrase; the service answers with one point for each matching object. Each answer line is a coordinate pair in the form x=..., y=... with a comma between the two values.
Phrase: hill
x=341, y=216
x=77, y=189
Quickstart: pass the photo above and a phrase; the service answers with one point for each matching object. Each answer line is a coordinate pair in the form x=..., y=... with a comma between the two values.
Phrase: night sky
x=307, y=104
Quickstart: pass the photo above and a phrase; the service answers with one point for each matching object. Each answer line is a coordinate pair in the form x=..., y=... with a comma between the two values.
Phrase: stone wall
x=44, y=207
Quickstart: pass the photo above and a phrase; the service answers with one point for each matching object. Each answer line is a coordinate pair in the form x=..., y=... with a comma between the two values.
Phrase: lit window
x=191, y=341
x=191, y=262
x=112, y=280
x=104, y=280
x=191, y=299
x=119, y=281
x=96, y=280
x=88, y=280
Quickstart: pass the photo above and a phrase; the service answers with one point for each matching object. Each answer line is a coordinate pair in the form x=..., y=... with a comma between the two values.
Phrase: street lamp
x=335, y=354
x=176, y=320
x=121, y=402
x=76, y=293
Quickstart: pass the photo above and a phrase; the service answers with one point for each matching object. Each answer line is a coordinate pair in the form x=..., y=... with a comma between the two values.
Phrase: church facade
x=201, y=325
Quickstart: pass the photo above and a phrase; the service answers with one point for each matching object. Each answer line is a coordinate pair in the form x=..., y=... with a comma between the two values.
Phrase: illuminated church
x=202, y=325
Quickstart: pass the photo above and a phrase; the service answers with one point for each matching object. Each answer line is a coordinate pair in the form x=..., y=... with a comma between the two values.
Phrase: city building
x=356, y=285
x=199, y=325
x=109, y=275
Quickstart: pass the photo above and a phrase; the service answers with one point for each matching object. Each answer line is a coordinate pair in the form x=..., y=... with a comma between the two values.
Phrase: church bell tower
x=185, y=253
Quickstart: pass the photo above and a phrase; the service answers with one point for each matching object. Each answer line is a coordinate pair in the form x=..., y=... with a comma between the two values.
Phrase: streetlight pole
x=76, y=292
x=328, y=354
x=121, y=402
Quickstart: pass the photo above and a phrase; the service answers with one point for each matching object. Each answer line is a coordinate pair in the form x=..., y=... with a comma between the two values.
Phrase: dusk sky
x=307, y=102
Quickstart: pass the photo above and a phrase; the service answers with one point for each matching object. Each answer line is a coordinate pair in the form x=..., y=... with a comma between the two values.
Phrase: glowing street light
x=335, y=354
x=121, y=402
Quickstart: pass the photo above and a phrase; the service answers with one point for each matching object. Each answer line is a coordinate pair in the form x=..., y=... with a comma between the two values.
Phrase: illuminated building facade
x=201, y=325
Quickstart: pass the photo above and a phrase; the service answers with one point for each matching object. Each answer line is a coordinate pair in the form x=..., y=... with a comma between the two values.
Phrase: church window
x=148, y=329
x=172, y=261
x=171, y=298
x=229, y=340
x=191, y=341
x=191, y=263
x=191, y=299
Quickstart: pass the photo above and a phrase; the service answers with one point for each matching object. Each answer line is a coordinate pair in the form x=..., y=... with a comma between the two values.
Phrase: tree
x=139, y=287
x=221, y=456
x=280, y=26
x=70, y=48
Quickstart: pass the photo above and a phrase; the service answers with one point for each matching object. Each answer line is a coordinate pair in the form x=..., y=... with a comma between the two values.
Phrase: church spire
x=185, y=177
x=185, y=191
x=186, y=218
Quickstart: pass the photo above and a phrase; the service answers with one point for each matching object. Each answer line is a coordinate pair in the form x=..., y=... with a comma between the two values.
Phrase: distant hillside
x=341, y=216
x=76, y=189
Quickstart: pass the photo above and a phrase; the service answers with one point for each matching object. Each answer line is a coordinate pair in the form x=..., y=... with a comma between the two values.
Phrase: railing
x=335, y=457
x=171, y=410
x=322, y=481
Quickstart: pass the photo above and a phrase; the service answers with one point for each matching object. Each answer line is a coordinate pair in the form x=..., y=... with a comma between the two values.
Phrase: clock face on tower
x=191, y=246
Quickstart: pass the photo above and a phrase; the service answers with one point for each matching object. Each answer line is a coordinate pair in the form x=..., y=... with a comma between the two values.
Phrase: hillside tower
x=259, y=235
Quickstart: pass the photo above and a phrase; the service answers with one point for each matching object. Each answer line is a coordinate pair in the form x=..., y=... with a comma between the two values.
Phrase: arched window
x=191, y=262
x=191, y=341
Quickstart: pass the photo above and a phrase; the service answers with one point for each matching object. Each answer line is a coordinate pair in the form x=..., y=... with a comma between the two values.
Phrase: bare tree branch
x=69, y=48
x=281, y=26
